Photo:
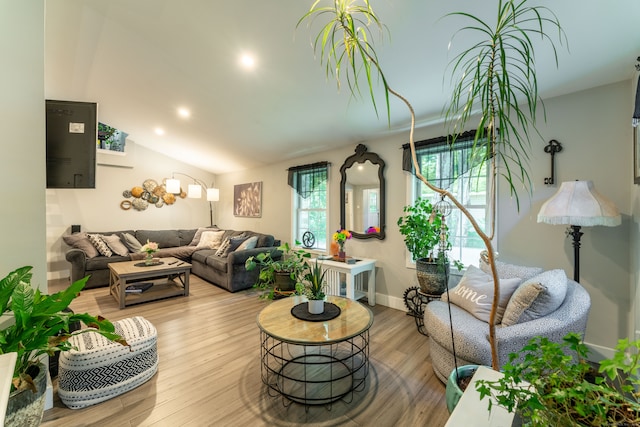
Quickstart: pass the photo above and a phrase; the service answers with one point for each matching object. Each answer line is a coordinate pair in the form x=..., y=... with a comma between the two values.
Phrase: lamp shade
x=195, y=191
x=578, y=203
x=173, y=185
x=213, y=194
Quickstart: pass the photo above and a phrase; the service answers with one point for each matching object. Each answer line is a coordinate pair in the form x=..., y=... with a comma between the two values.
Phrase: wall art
x=247, y=200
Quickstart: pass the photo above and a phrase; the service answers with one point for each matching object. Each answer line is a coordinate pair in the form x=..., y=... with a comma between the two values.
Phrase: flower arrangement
x=373, y=229
x=149, y=248
x=340, y=237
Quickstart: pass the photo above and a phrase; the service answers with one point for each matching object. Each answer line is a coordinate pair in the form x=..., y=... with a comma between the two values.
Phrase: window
x=460, y=170
x=310, y=203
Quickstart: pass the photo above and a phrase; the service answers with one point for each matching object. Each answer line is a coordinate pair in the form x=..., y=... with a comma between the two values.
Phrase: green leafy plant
x=554, y=384
x=40, y=325
x=286, y=260
x=494, y=79
x=424, y=230
x=313, y=285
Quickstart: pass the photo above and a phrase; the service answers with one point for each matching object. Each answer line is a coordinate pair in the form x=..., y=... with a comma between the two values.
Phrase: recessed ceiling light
x=183, y=112
x=247, y=61
x=159, y=131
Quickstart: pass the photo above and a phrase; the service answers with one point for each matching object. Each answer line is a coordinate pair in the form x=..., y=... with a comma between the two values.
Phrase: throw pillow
x=131, y=242
x=250, y=243
x=116, y=245
x=100, y=245
x=536, y=297
x=230, y=244
x=474, y=293
x=81, y=241
x=196, y=237
x=509, y=271
x=210, y=240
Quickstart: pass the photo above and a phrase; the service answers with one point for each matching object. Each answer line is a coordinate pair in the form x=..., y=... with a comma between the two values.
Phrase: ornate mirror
x=362, y=198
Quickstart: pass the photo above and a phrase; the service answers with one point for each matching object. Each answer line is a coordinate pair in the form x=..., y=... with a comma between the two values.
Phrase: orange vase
x=335, y=248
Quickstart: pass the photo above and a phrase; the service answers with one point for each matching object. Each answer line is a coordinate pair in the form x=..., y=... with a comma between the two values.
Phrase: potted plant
x=40, y=326
x=313, y=288
x=280, y=270
x=494, y=83
x=426, y=236
x=552, y=384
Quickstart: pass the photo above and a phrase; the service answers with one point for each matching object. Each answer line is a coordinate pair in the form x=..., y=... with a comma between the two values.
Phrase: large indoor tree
x=494, y=83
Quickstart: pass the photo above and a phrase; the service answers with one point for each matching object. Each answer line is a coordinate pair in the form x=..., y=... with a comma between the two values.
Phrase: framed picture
x=247, y=200
x=636, y=154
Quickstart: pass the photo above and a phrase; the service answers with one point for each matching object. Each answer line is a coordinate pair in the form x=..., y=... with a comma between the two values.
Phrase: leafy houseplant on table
x=313, y=288
x=278, y=276
x=554, y=385
x=424, y=231
x=494, y=80
x=40, y=327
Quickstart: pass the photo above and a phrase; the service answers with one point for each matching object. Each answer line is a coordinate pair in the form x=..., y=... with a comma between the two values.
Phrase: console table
x=355, y=289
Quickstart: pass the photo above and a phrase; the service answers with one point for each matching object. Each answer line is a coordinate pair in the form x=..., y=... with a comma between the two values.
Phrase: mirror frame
x=362, y=156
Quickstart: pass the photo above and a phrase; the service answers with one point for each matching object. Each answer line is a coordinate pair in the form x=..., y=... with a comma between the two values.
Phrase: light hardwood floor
x=209, y=374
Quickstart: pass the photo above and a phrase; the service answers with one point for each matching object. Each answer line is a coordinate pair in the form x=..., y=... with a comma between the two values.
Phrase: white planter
x=316, y=306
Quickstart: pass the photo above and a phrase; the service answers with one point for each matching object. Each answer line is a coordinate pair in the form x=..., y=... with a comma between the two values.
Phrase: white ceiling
x=142, y=59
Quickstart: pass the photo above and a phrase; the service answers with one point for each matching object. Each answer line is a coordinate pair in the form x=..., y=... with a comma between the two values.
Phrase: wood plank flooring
x=209, y=374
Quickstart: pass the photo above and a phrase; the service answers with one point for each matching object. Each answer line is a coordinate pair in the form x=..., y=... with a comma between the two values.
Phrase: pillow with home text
x=475, y=293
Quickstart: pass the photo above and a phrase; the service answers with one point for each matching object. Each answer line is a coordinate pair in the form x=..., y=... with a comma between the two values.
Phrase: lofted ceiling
x=141, y=60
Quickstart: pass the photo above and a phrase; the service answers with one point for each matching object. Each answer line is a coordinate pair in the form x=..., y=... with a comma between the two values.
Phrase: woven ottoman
x=98, y=369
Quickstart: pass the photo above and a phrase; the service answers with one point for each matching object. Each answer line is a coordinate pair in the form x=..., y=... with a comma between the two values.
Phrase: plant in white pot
x=494, y=83
x=40, y=326
x=313, y=288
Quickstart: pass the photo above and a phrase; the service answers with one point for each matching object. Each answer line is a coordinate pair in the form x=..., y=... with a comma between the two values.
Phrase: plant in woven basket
x=552, y=384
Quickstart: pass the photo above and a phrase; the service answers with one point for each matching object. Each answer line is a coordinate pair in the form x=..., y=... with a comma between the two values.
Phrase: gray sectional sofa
x=224, y=270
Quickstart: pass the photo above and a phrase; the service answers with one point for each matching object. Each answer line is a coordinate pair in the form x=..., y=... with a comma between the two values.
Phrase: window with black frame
x=310, y=204
x=461, y=169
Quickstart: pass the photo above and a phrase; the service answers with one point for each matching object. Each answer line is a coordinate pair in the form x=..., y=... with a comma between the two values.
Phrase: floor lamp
x=194, y=190
x=578, y=204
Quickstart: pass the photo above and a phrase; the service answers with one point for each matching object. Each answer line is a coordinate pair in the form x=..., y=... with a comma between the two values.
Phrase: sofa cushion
x=218, y=263
x=81, y=241
x=131, y=242
x=249, y=243
x=202, y=254
x=115, y=244
x=230, y=243
x=210, y=240
x=198, y=234
x=102, y=262
x=509, y=271
x=164, y=238
x=186, y=236
x=99, y=244
x=475, y=293
x=536, y=297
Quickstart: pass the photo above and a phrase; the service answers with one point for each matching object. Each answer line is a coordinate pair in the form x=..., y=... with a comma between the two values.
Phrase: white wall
x=593, y=127
x=99, y=209
x=22, y=216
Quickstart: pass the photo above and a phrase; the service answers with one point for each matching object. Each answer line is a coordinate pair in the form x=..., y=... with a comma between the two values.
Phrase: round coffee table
x=314, y=363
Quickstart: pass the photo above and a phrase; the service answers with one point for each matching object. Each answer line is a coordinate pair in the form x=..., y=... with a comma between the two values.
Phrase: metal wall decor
x=150, y=192
x=552, y=148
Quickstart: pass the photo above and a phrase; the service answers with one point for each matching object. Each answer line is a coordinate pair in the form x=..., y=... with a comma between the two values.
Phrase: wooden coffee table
x=171, y=278
x=314, y=363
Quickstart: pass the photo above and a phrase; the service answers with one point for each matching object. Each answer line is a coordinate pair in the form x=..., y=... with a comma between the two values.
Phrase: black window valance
x=305, y=178
x=458, y=158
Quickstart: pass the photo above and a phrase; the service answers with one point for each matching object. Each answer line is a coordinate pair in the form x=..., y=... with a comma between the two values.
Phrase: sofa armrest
x=78, y=260
x=240, y=257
